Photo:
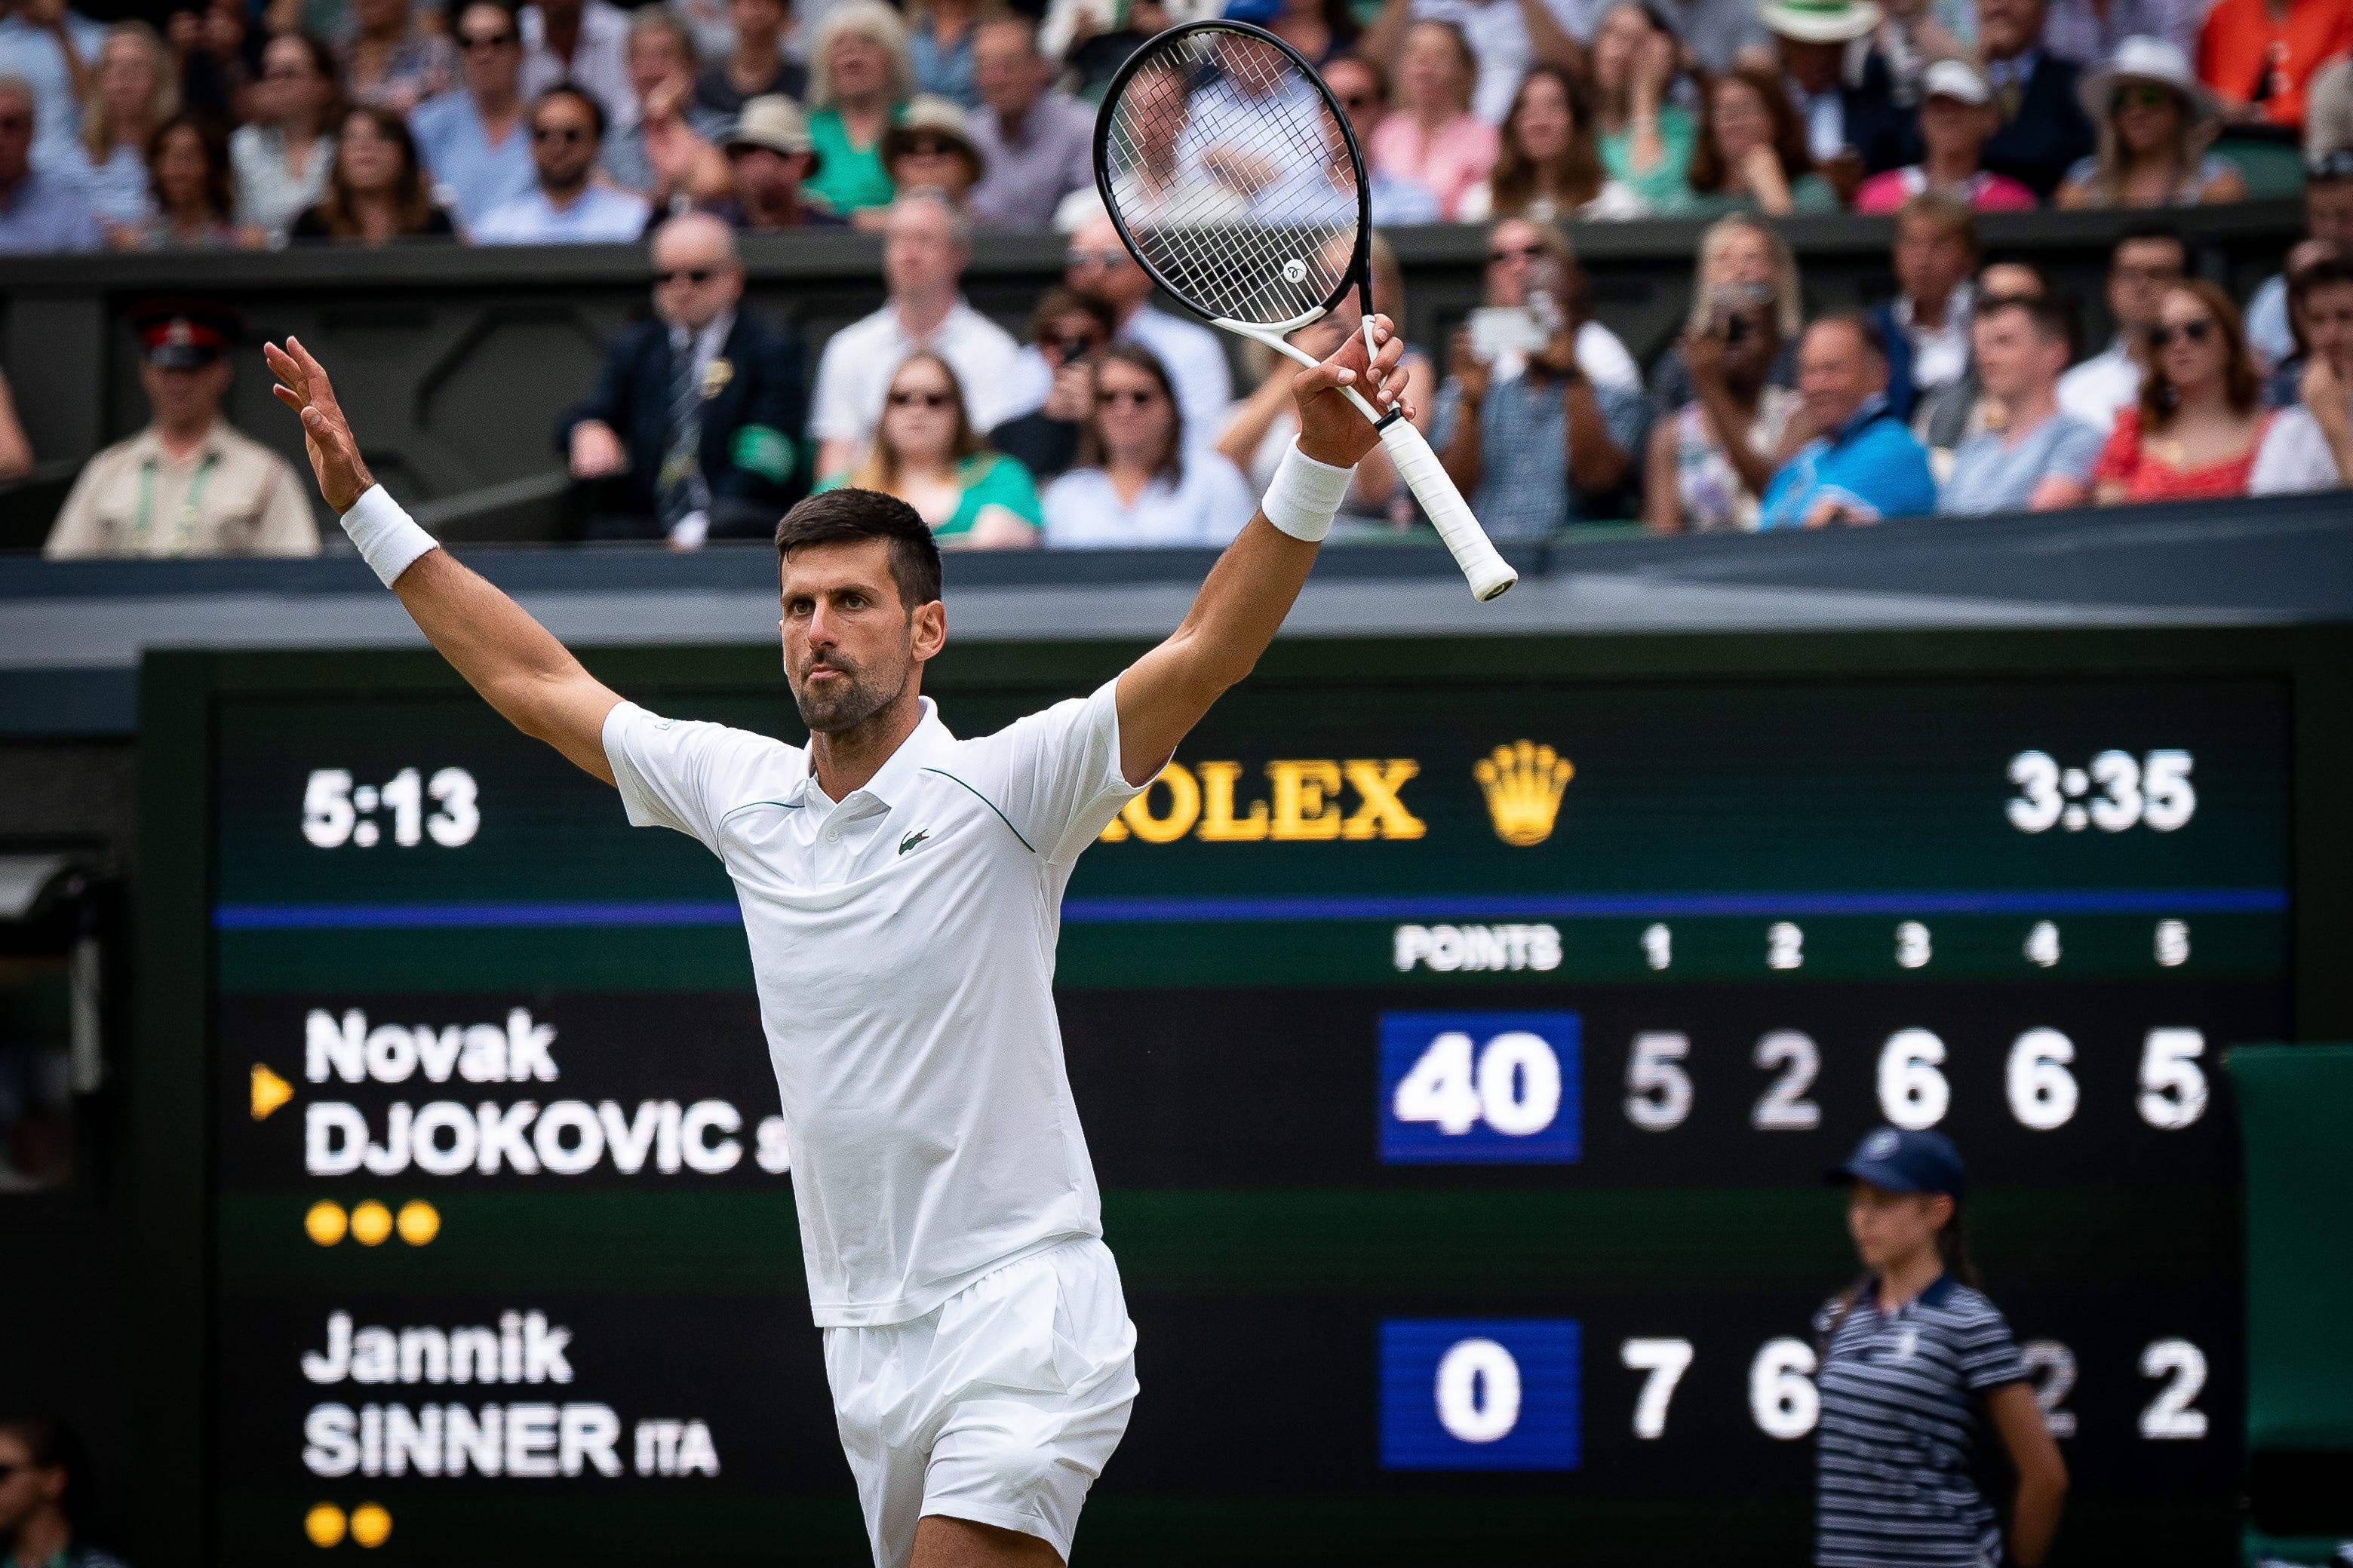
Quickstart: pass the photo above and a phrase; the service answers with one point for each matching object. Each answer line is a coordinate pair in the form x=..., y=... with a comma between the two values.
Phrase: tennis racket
x=1236, y=181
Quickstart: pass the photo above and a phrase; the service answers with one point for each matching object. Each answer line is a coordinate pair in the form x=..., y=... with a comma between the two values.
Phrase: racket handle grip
x=1488, y=574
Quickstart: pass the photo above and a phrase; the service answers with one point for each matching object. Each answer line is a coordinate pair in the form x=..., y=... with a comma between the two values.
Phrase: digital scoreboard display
x=1461, y=1041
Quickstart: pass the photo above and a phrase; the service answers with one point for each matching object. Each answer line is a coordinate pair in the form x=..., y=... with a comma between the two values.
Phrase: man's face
x=1359, y=94
x=765, y=174
x=493, y=47
x=1836, y=370
x=654, y=58
x=2008, y=28
x=1815, y=66
x=185, y=397
x=1099, y=265
x=2328, y=213
x=919, y=253
x=851, y=647
x=2014, y=358
x=16, y=137
x=563, y=142
x=760, y=20
x=694, y=276
x=2328, y=323
x=2142, y=271
x=1007, y=69
x=1930, y=259
x=26, y=1488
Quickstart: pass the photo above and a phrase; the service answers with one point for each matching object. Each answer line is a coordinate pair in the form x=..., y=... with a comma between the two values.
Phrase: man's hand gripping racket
x=1266, y=256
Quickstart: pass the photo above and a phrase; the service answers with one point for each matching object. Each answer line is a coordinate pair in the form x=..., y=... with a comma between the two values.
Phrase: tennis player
x=901, y=891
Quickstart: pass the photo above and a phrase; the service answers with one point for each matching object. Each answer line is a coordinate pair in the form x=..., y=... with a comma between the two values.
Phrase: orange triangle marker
x=269, y=1093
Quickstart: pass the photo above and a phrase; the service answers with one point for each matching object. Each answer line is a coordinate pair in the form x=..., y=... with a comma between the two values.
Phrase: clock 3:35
x=336, y=812
x=2153, y=792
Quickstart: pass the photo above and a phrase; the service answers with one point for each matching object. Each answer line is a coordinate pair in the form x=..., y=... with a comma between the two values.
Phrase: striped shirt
x=1902, y=1403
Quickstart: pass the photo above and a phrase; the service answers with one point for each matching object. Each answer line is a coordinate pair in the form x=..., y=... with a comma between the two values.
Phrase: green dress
x=1662, y=188
x=1808, y=193
x=989, y=478
x=847, y=177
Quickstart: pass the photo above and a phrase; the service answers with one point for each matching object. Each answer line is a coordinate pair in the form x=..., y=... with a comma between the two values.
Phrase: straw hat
x=774, y=121
x=931, y=116
x=1819, y=21
x=2151, y=60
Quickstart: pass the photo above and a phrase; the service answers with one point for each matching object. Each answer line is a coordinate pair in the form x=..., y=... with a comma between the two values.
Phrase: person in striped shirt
x=1917, y=1366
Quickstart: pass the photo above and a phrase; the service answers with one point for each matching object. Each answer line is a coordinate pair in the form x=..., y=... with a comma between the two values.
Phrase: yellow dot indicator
x=325, y=1223
x=370, y=1524
x=371, y=1223
x=420, y=1222
x=325, y=1525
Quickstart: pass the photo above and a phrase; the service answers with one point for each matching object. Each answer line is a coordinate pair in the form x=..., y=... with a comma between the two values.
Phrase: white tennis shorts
x=999, y=1405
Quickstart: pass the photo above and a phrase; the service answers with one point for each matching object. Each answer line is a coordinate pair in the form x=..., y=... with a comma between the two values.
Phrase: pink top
x=1989, y=192
x=1457, y=157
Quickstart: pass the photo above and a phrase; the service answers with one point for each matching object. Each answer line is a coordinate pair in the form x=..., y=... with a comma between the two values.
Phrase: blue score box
x=1481, y=1393
x=1481, y=1088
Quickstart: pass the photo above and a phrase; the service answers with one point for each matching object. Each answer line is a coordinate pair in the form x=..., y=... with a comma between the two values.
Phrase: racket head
x=1229, y=95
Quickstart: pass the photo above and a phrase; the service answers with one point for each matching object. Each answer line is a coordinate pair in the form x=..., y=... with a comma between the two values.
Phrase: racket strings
x=1231, y=176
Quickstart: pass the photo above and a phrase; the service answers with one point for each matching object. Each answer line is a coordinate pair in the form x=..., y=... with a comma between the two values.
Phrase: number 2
x=1783, y=1105
x=2169, y=1416
x=2051, y=1365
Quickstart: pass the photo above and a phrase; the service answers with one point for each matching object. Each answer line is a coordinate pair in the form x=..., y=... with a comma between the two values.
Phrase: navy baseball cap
x=1905, y=1163
x=1260, y=11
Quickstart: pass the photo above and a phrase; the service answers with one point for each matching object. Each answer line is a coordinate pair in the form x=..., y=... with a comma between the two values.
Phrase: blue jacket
x=1873, y=464
x=1901, y=394
x=755, y=458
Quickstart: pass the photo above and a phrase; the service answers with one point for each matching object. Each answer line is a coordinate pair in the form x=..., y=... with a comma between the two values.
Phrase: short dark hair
x=2055, y=320
x=2147, y=233
x=2325, y=272
x=579, y=95
x=49, y=1444
x=845, y=516
x=1866, y=330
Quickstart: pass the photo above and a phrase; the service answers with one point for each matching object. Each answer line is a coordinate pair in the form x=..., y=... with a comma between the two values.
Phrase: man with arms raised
x=902, y=892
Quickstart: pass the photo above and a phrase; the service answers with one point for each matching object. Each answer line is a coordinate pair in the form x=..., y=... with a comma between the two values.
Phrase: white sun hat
x=2151, y=60
x=1819, y=21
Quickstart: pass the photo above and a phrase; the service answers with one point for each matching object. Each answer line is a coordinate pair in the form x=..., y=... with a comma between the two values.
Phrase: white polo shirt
x=853, y=374
x=903, y=943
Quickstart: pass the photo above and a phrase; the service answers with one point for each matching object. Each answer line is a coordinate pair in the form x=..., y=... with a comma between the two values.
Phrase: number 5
x=1665, y=1361
x=1658, y=1089
x=327, y=813
x=2172, y=1086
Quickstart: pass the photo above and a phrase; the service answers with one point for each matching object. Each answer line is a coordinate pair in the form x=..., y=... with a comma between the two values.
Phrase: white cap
x=1958, y=79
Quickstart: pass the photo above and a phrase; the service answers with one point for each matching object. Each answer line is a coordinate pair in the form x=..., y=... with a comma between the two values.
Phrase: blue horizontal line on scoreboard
x=1203, y=910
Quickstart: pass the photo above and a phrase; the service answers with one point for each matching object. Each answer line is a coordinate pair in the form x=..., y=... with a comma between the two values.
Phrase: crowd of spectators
x=266, y=122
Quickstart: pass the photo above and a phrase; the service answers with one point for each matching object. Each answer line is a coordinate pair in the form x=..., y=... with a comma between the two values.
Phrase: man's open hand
x=1331, y=428
x=303, y=386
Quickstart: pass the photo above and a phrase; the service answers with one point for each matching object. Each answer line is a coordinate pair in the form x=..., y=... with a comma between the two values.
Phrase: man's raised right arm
x=513, y=662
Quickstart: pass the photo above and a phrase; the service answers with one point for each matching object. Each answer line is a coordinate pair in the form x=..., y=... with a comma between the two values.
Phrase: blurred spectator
x=2327, y=218
x=1094, y=57
x=208, y=47
x=1067, y=330
x=755, y=67
x=2260, y=55
x=1097, y=264
x=45, y=1496
x=392, y=58
x=375, y=190
x=1752, y=155
x=697, y=415
x=2156, y=121
x=1161, y=179
x=1716, y=35
x=1530, y=265
x=52, y=49
x=927, y=454
x=475, y=141
x=1646, y=140
x=1957, y=117
x=1322, y=30
x=940, y=46
x=195, y=197
x=1140, y=481
x=1362, y=86
x=1839, y=87
x=2310, y=447
x=583, y=43
x=2089, y=31
x=1712, y=458
x=1916, y=34
x=16, y=451
x=2145, y=264
x=1261, y=429
x=1432, y=138
x=133, y=92
x=770, y=152
x=1925, y=330
x=927, y=147
x=859, y=82
x=1503, y=37
x=666, y=151
x=925, y=249
x=2284, y=377
x=282, y=157
x=2029, y=456
x=1535, y=439
x=1037, y=144
x=1947, y=415
x=1735, y=251
x=189, y=484
x=1862, y=465
x=1549, y=166
x=2194, y=428
x=39, y=212
x=2328, y=112
x=568, y=207
x=2043, y=130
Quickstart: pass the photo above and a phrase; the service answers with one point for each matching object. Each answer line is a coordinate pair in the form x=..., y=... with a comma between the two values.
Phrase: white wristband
x=389, y=540
x=1305, y=494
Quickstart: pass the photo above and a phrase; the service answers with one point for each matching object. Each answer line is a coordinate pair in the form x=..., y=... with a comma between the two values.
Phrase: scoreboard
x=1461, y=1032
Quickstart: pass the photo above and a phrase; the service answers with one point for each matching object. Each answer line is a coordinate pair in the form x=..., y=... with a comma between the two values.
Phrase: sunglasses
x=486, y=41
x=1104, y=258
x=2196, y=332
x=928, y=147
x=2139, y=95
x=1355, y=100
x=15, y=122
x=567, y=134
x=1137, y=396
x=1524, y=253
x=698, y=276
x=921, y=399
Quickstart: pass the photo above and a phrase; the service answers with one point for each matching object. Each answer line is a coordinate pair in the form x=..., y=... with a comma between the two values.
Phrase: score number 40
x=336, y=812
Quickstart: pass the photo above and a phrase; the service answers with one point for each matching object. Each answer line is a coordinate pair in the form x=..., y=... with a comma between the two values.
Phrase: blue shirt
x=1524, y=491
x=470, y=176
x=1990, y=474
x=116, y=190
x=947, y=72
x=599, y=215
x=1873, y=466
x=46, y=214
x=32, y=52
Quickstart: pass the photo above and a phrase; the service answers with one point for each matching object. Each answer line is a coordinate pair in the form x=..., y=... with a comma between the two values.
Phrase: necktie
x=680, y=488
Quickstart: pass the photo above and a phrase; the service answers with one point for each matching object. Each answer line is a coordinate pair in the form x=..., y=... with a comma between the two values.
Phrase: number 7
x=1665, y=1361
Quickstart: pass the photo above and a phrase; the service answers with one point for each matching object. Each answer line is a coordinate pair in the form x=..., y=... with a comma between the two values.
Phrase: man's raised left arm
x=1250, y=591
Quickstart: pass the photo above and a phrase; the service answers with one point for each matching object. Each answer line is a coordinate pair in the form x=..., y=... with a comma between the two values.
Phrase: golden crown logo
x=1523, y=785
